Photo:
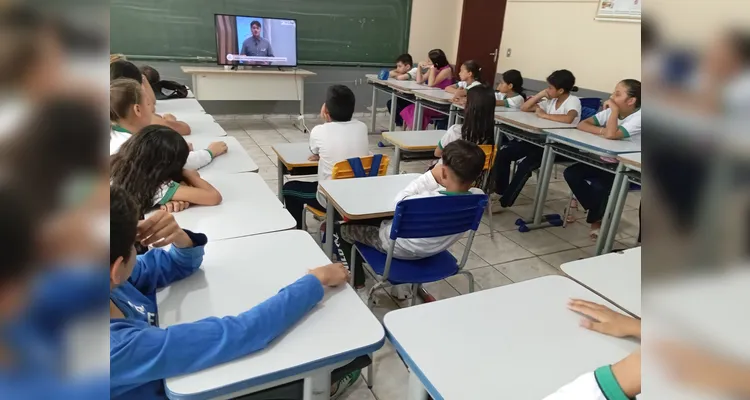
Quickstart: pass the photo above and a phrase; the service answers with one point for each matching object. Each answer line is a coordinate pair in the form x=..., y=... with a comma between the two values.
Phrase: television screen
x=246, y=40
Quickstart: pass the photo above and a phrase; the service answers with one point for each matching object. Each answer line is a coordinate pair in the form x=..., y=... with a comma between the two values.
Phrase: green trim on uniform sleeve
x=210, y=153
x=173, y=186
x=440, y=144
x=625, y=132
x=596, y=121
x=608, y=383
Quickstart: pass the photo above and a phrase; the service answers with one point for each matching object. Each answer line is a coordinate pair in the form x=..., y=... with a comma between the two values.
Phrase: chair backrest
x=490, y=152
x=589, y=107
x=344, y=170
x=437, y=216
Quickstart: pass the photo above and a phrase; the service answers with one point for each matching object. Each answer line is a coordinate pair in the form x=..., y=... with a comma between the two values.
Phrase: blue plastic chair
x=590, y=106
x=425, y=218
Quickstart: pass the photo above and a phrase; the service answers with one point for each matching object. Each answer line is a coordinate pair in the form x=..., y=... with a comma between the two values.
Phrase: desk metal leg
x=317, y=386
x=397, y=161
x=613, y=196
x=452, y=114
x=392, y=122
x=416, y=389
x=544, y=177
x=373, y=116
x=616, y=215
x=280, y=177
x=417, y=110
x=328, y=248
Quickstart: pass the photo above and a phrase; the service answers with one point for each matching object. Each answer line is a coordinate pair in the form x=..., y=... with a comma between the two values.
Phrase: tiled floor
x=507, y=257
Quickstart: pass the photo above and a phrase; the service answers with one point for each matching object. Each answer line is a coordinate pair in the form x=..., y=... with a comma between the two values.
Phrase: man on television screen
x=256, y=46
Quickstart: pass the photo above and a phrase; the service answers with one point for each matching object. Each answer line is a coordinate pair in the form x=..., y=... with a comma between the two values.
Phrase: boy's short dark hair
x=123, y=224
x=124, y=69
x=340, y=103
x=405, y=59
x=255, y=23
x=465, y=159
x=151, y=74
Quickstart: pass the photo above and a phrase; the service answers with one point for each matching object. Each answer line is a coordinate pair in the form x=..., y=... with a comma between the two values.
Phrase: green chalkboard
x=337, y=32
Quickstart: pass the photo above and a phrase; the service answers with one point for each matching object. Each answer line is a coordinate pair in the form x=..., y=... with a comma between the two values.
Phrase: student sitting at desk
x=141, y=354
x=471, y=76
x=478, y=126
x=621, y=380
x=126, y=69
x=403, y=72
x=340, y=138
x=510, y=90
x=620, y=119
x=554, y=103
x=151, y=167
x=463, y=162
x=439, y=75
x=129, y=111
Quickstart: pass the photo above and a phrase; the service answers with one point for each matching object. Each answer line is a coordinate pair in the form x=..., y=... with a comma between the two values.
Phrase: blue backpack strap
x=376, y=159
x=357, y=168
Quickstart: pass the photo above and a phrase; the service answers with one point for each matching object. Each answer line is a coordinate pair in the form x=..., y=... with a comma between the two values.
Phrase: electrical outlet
x=507, y=53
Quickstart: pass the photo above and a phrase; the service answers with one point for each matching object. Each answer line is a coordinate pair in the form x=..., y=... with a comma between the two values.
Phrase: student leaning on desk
x=470, y=74
x=510, y=90
x=620, y=119
x=619, y=381
x=142, y=355
x=403, y=72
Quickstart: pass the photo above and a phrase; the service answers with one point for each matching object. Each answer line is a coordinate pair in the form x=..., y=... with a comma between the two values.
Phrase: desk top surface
x=615, y=276
x=173, y=106
x=249, y=207
x=258, y=71
x=409, y=86
x=529, y=122
x=239, y=274
x=235, y=160
x=294, y=154
x=207, y=128
x=521, y=332
x=415, y=140
x=590, y=142
x=435, y=96
x=366, y=198
x=631, y=160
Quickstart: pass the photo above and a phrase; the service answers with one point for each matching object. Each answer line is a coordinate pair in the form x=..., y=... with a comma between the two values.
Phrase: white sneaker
x=401, y=292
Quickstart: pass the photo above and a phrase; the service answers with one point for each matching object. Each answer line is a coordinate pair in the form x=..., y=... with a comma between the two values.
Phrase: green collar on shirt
x=118, y=128
x=447, y=193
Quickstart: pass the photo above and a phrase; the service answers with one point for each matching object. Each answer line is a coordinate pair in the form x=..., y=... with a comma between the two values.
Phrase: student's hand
x=175, y=206
x=539, y=112
x=313, y=157
x=541, y=94
x=169, y=117
x=218, y=148
x=605, y=321
x=331, y=275
x=609, y=104
x=161, y=229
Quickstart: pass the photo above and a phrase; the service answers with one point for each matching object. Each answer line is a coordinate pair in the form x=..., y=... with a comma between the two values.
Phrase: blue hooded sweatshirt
x=142, y=355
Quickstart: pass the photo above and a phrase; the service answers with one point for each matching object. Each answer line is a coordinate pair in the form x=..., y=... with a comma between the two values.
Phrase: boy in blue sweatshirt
x=142, y=355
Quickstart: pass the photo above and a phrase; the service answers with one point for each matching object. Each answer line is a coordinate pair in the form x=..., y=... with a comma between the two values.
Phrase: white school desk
x=239, y=274
x=529, y=122
x=291, y=156
x=405, y=90
x=233, y=161
x=361, y=198
x=412, y=141
x=598, y=146
x=631, y=161
x=205, y=128
x=173, y=106
x=377, y=85
x=617, y=197
x=614, y=276
x=257, y=84
x=440, y=97
x=517, y=341
x=248, y=208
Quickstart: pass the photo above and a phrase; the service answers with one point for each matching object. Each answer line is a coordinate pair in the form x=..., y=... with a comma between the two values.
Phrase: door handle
x=494, y=55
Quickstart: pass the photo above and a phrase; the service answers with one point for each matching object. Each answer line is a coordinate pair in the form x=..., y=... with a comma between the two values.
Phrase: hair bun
x=574, y=89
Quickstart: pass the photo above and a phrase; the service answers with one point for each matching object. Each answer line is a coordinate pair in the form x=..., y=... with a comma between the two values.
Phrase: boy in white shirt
x=555, y=103
x=620, y=120
x=403, y=72
x=339, y=139
x=463, y=161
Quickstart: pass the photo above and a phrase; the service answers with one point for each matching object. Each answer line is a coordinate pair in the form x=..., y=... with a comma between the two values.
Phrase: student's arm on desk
x=530, y=104
x=141, y=354
x=436, y=77
x=197, y=191
x=565, y=119
x=427, y=182
x=178, y=126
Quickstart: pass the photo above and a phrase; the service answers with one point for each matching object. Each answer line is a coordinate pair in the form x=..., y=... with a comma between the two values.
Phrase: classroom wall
x=435, y=24
x=557, y=34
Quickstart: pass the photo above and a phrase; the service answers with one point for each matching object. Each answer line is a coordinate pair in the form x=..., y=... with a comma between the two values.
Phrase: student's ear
x=631, y=102
x=324, y=113
x=444, y=174
x=137, y=110
x=115, y=271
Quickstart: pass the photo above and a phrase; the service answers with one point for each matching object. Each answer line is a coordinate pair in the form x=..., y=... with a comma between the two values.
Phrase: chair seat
x=430, y=269
x=317, y=213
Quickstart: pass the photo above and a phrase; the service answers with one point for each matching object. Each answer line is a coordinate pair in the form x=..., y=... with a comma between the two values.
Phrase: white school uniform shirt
x=571, y=103
x=514, y=102
x=334, y=142
x=414, y=249
x=466, y=86
x=630, y=126
x=736, y=97
x=412, y=74
x=453, y=134
x=196, y=159
x=165, y=193
x=598, y=385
